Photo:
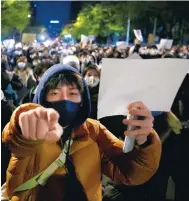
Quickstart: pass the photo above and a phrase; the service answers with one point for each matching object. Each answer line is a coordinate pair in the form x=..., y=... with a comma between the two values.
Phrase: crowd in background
x=23, y=66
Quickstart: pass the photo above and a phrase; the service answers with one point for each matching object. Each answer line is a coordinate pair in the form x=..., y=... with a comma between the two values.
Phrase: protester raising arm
x=138, y=166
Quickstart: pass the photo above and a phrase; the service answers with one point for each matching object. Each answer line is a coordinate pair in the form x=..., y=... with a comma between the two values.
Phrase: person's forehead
x=68, y=85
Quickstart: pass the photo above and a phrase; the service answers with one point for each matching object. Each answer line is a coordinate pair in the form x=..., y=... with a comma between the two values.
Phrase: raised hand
x=40, y=124
x=144, y=126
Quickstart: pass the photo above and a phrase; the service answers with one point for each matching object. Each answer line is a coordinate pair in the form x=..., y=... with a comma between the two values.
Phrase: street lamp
x=29, y=16
x=54, y=22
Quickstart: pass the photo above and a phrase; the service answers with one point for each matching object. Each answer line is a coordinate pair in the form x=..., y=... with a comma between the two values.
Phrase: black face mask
x=66, y=109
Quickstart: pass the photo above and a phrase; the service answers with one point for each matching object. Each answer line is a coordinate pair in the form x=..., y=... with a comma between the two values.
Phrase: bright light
x=54, y=22
x=29, y=16
x=42, y=37
x=35, y=41
x=67, y=35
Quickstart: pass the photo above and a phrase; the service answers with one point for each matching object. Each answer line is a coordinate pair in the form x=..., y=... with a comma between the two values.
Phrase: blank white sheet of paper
x=152, y=81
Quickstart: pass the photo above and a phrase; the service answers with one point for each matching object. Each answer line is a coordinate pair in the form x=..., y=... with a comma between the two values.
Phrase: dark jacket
x=94, y=101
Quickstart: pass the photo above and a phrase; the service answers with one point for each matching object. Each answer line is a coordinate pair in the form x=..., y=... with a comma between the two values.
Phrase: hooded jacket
x=40, y=93
x=94, y=151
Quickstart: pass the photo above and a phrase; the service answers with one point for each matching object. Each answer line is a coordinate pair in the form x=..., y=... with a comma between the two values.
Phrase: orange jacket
x=94, y=151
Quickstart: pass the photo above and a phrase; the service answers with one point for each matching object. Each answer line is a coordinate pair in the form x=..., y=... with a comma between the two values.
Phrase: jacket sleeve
x=12, y=136
x=133, y=168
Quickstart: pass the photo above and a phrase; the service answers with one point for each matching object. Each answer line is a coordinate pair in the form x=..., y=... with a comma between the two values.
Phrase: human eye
x=53, y=92
x=73, y=94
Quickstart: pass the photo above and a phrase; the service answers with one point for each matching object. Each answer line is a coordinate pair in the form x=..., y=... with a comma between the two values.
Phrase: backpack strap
x=42, y=177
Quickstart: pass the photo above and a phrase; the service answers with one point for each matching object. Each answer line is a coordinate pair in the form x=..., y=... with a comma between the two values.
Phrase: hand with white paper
x=145, y=125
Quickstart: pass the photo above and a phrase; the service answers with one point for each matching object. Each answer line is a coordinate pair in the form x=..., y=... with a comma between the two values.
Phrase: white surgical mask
x=21, y=65
x=92, y=81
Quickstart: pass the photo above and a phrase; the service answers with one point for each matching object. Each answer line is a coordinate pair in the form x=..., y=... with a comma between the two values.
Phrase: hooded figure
x=85, y=109
x=56, y=127
x=92, y=77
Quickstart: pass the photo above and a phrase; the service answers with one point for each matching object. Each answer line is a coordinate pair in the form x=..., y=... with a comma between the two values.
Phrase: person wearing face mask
x=39, y=70
x=183, y=53
x=22, y=70
x=26, y=77
x=58, y=153
x=92, y=77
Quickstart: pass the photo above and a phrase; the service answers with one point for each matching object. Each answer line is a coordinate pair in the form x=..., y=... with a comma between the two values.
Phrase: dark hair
x=5, y=81
x=65, y=78
x=42, y=67
x=90, y=67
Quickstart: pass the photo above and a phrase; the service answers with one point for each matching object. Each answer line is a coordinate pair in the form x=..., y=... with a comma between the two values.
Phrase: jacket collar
x=81, y=133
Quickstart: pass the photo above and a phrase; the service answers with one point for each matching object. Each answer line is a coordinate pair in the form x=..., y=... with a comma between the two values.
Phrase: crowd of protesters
x=23, y=67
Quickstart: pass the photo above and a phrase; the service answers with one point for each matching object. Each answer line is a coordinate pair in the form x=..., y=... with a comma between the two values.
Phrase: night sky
x=64, y=11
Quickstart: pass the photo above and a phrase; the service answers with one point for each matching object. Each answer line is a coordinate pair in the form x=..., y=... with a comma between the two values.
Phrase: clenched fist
x=40, y=124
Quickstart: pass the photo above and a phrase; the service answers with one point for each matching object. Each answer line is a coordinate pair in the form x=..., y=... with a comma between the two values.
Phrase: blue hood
x=85, y=109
